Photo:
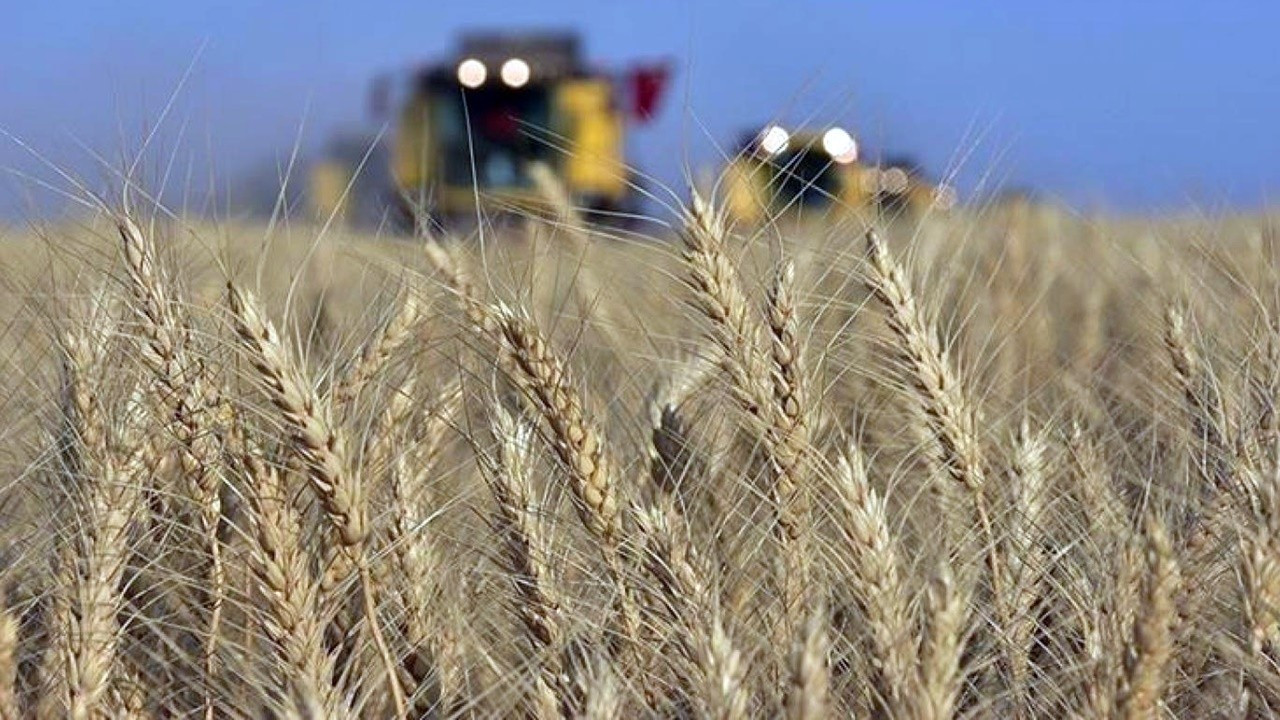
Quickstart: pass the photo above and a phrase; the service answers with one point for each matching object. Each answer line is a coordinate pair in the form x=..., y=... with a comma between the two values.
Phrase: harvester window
x=505, y=129
x=805, y=176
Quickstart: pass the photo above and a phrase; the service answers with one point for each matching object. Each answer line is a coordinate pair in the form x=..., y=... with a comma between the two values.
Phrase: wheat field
x=1013, y=462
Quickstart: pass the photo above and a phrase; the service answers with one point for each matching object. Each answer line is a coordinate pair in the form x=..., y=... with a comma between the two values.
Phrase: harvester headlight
x=472, y=73
x=774, y=140
x=515, y=72
x=840, y=145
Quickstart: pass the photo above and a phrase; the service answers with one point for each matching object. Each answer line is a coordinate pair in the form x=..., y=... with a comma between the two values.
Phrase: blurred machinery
x=779, y=172
x=469, y=128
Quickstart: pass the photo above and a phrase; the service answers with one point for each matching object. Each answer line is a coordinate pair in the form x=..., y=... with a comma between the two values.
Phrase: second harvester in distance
x=778, y=172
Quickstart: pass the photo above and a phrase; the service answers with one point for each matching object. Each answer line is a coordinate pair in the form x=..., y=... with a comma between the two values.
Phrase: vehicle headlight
x=515, y=72
x=840, y=145
x=472, y=73
x=774, y=140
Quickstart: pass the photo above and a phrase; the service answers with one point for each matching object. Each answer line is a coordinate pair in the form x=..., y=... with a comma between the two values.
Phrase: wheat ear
x=322, y=451
x=579, y=447
x=791, y=425
x=877, y=582
x=188, y=398
x=951, y=415
x=397, y=331
x=692, y=605
x=517, y=521
x=766, y=388
x=1204, y=406
x=1026, y=561
x=586, y=287
x=1151, y=648
x=417, y=557
x=93, y=562
x=293, y=619
x=808, y=695
x=940, y=671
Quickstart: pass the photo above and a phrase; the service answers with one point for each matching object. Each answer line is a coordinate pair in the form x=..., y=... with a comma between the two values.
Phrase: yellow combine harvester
x=474, y=124
x=779, y=172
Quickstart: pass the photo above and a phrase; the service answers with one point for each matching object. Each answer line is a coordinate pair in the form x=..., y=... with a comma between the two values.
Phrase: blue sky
x=1137, y=105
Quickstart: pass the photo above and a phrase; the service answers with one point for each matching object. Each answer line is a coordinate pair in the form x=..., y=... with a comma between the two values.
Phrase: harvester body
x=469, y=128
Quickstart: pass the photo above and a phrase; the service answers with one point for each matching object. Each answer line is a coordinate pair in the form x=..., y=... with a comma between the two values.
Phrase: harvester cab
x=779, y=172
x=472, y=127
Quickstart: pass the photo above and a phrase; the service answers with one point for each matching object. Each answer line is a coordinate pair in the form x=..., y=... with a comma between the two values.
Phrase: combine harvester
x=781, y=173
x=473, y=125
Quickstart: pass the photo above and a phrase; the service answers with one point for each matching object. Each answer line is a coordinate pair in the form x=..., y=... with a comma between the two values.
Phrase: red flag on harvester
x=645, y=85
